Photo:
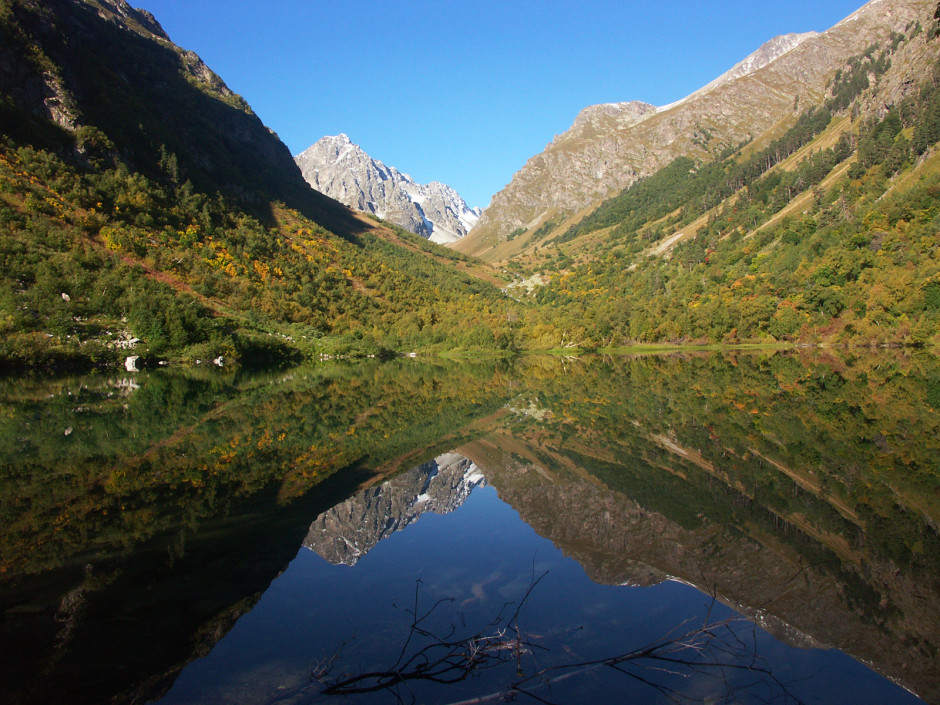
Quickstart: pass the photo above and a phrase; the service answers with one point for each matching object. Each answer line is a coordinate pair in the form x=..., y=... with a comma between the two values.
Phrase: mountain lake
x=753, y=526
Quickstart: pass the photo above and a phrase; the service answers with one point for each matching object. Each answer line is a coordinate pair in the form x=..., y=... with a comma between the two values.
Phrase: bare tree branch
x=715, y=649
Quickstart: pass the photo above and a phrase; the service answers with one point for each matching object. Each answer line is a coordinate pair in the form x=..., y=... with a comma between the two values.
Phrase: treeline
x=849, y=83
x=649, y=199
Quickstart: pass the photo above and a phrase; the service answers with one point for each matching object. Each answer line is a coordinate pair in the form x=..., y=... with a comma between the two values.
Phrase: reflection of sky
x=482, y=556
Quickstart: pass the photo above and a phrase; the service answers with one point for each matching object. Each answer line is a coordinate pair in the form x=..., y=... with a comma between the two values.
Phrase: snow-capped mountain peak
x=339, y=168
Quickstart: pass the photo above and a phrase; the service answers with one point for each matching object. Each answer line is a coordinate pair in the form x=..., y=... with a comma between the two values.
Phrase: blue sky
x=466, y=92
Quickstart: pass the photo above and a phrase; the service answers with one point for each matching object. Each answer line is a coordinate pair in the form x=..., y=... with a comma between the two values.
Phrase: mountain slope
x=143, y=201
x=342, y=170
x=600, y=156
x=105, y=65
x=767, y=53
x=823, y=233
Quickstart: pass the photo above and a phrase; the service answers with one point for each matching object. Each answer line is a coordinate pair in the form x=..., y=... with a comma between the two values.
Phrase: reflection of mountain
x=130, y=545
x=351, y=529
x=185, y=498
x=754, y=560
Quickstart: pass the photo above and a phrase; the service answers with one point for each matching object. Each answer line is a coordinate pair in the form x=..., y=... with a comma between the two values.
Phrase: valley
x=792, y=200
x=271, y=422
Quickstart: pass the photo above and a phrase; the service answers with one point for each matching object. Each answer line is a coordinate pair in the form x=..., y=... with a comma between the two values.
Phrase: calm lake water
x=757, y=527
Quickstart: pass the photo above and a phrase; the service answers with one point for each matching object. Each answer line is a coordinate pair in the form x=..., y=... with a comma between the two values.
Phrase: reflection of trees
x=844, y=451
x=749, y=466
x=837, y=468
x=181, y=448
x=184, y=497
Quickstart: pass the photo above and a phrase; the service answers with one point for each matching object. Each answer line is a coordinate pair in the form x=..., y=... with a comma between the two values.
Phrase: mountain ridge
x=767, y=53
x=338, y=168
x=579, y=168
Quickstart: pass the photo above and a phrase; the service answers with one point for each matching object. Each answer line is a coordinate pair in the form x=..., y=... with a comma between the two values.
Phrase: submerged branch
x=711, y=648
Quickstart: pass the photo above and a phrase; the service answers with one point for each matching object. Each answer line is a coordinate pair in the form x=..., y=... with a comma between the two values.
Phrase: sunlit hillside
x=147, y=211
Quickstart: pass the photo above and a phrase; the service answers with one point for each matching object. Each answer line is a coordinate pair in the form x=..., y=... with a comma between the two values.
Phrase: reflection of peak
x=351, y=529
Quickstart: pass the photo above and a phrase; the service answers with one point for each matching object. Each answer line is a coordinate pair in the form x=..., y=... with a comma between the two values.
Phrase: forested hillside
x=611, y=146
x=146, y=210
x=827, y=232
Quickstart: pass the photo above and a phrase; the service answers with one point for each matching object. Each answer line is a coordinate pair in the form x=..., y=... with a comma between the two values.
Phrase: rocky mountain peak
x=341, y=169
x=623, y=114
x=139, y=21
x=772, y=50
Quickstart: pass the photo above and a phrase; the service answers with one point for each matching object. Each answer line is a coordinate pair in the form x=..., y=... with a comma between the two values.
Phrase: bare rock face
x=139, y=21
x=351, y=529
x=609, y=147
x=342, y=170
x=603, y=116
x=45, y=92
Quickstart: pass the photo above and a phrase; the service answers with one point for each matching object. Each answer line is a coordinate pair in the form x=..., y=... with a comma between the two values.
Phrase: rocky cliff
x=342, y=170
x=611, y=146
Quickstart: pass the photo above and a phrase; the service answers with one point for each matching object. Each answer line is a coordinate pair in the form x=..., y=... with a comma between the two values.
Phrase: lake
x=716, y=527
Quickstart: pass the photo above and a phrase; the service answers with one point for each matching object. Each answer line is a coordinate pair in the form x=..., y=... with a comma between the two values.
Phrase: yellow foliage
x=110, y=237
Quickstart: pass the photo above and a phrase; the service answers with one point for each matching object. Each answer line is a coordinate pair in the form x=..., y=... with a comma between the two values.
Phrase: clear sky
x=465, y=92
